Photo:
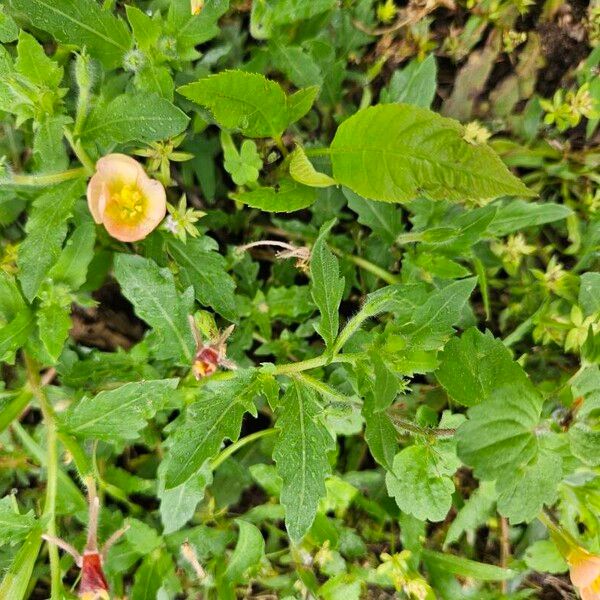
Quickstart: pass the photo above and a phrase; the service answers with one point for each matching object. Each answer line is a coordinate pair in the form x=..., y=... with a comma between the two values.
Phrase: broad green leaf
x=518, y=214
x=384, y=220
x=432, y=321
x=302, y=171
x=327, y=287
x=589, y=293
x=11, y=206
x=201, y=266
x=178, y=504
x=46, y=229
x=9, y=30
x=157, y=301
x=190, y=30
x=544, y=556
x=297, y=64
x=396, y=152
x=134, y=117
x=215, y=416
x=380, y=433
x=464, y=567
x=475, y=365
x=474, y=513
x=248, y=101
x=499, y=436
x=249, y=550
x=149, y=579
x=81, y=23
x=301, y=456
x=146, y=30
x=16, y=579
x=523, y=493
x=286, y=196
x=420, y=482
x=120, y=414
x=269, y=14
x=415, y=84
x=14, y=526
x=585, y=443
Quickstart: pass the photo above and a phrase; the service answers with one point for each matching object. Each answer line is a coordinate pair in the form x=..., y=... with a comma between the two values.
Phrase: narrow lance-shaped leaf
x=395, y=152
x=119, y=414
x=327, y=287
x=14, y=526
x=46, y=229
x=301, y=457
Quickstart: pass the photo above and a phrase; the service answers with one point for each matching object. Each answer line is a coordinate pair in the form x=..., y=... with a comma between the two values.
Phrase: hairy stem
x=35, y=180
x=51, y=472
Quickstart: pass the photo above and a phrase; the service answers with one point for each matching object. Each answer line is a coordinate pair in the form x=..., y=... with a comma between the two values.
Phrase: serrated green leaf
x=203, y=267
x=156, y=300
x=499, y=436
x=33, y=63
x=249, y=550
x=522, y=494
x=476, y=364
x=420, y=482
x=286, y=196
x=432, y=321
x=327, y=287
x=302, y=171
x=301, y=457
x=396, y=152
x=585, y=443
x=117, y=415
x=48, y=147
x=9, y=30
x=46, y=229
x=249, y=102
x=134, y=117
x=14, y=526
x=242, y=165
x=216, y=415
x=81, y=23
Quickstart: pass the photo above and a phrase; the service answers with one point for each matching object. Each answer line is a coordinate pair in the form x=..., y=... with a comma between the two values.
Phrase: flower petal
x=119, y=168
x=584, y=568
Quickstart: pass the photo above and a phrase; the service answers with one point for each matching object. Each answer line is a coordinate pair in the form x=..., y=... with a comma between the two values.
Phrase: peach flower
x=585, y=573
x=124, y=199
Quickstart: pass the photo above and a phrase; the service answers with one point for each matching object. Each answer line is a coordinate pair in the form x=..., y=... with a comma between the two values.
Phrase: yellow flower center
x=127, y=204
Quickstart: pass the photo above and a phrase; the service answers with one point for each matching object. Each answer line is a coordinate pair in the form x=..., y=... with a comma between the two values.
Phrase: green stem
x=48, y=179
x=80, y=153
x=367, y=265
x=325, y=389
x=233, y=448
x=51, y=472
x=313, y=363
